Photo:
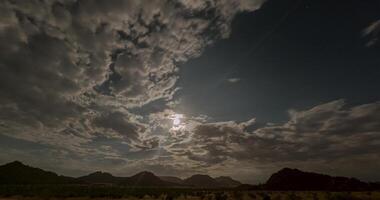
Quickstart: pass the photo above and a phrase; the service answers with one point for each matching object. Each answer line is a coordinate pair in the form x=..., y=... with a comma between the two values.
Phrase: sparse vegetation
x=78, y=192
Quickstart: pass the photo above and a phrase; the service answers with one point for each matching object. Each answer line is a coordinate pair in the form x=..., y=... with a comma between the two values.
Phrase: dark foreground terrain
x=19, y=181
x=204, y=195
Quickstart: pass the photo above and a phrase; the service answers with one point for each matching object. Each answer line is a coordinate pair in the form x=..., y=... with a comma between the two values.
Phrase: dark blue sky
x=289, y=55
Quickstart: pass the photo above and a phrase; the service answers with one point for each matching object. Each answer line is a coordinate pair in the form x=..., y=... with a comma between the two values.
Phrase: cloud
x=329, y=133
x=233, y=80
x=73, y=75
x=372, y=32
x=72, y=72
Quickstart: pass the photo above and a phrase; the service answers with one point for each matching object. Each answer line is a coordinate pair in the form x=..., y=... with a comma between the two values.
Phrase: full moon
x=176, y=120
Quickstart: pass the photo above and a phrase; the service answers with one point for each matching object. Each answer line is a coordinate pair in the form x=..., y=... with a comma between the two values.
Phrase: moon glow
x=177, y=121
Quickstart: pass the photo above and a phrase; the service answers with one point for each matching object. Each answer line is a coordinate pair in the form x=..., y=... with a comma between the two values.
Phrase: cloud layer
x=80, y=81
x=70, y=71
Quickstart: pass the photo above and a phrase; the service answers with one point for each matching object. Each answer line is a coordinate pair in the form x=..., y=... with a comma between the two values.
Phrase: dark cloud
x=117, y=122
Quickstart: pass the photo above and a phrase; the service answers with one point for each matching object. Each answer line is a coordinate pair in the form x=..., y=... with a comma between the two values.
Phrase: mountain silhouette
x=200, y=180
x=203, y=181
x=171, y=179
x=100, y=177
x=226, y=181
x=18, y=173
x=146, y=179
x=294, y=179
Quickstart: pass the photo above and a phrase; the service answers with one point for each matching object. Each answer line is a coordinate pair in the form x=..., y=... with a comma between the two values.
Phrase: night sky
x=238, y=88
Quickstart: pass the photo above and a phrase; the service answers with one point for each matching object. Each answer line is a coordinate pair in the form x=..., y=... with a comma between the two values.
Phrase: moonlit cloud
x=328, y=133
x=91, y=85
x=71, y=71
x=372, y=32
x=233, y=80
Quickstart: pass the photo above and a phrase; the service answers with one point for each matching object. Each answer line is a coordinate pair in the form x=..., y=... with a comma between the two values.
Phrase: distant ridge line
x=17, y=173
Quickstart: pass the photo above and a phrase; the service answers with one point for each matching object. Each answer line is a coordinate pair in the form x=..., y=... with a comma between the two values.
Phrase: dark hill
x=226, y=181
x=145, y=179
x=201, y=181
x=100, y=177
x=18, y=173
x=285, y=179
x=294, y=179
x=205, y=181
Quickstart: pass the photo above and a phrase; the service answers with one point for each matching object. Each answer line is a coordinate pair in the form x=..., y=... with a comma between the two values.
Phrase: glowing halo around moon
x=177, y=121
